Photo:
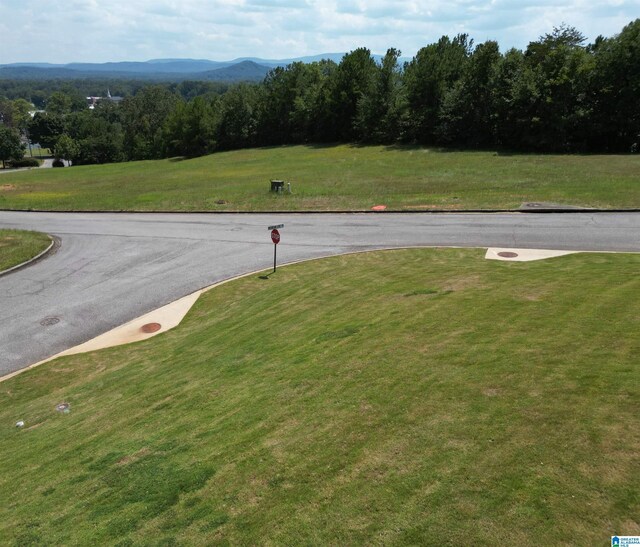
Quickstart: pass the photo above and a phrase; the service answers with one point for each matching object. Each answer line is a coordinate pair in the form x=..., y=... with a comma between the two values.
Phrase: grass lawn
x=332, y=178
x=18, y=246
x=404, y=397
x=38, y=152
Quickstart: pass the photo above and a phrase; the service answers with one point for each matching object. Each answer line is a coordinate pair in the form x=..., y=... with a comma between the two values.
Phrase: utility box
x=277, y=185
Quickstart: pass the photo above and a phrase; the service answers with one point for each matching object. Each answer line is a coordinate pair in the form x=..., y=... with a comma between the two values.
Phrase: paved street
x=114, y=267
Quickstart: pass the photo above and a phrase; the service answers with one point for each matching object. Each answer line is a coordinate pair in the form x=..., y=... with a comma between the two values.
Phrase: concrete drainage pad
x=523, y=255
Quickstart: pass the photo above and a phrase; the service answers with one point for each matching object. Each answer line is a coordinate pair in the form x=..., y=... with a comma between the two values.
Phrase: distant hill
x=251, y=69
x=246, y=71
x=284, y=62
x=169, y=71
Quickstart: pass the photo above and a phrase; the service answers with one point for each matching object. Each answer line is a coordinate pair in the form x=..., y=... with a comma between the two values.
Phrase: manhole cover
x=48, y=321
x=63, y=407
x=507, y=254
x=151, y=327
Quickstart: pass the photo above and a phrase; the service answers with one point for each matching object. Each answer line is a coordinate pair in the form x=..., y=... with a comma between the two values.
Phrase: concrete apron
x=523, y=255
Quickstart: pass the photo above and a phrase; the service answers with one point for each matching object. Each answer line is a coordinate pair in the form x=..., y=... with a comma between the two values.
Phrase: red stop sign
x=275, y=237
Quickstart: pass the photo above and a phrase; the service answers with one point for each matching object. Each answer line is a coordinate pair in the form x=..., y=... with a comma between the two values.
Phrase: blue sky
x=61, y=31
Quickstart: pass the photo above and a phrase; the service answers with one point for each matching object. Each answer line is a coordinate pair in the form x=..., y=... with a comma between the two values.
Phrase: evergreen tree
x=428, y=77
x=380, y=111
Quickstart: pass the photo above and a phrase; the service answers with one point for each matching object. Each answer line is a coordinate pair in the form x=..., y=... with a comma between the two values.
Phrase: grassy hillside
x=332, y=178
x=18, y=246
x=406, y=397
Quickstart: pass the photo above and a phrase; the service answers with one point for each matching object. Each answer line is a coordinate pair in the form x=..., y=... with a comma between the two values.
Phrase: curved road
x=112, y=268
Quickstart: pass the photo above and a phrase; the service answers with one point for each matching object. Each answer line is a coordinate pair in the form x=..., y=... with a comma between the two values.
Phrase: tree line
x=558, y=95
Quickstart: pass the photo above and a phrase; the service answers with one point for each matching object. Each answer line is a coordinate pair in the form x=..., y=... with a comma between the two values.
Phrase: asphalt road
x=112, y=268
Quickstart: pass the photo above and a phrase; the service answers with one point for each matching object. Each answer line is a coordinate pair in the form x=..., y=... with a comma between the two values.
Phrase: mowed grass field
x=18, y=246
x=332, y=178
x=406, y=397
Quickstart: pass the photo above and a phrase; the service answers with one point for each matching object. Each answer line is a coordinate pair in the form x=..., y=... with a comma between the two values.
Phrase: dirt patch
x=631, y=527
x=491, y=392
x=135, y=456
x=7, y=187
x=464, y=282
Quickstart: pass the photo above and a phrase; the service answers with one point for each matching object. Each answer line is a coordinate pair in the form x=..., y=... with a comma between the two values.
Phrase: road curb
x=53, y=246
x=334, y=212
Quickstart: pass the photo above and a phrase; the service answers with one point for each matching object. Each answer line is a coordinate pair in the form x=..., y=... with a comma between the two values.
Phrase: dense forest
x=558, y=95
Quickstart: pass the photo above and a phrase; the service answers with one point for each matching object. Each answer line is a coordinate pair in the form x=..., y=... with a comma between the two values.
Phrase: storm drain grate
x=151, y=327
x=48, y=321
x=507, y=254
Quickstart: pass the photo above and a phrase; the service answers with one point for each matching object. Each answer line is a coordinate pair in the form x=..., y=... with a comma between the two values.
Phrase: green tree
x=6, y=112
x=191, y=129
x=380, y=111
x=98, y=134
x=466, y=115
x=428, y=77
x=10, y=146
x=143, y=118
x=238, y=117
x=352, y=81
x=59, y=103
x=288, y=103
x=514, y=96
x=554, y=78
x=277, y=102
x=21, y=115
x=45, y=128
x=615, y=91
x=66, y=148
x=312, y=117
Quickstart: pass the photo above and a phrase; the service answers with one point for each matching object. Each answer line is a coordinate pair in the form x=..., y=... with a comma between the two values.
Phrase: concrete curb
x=333, y=212
x=54, y=245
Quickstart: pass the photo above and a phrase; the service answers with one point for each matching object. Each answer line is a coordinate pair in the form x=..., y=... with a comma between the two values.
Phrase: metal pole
x=275, y=248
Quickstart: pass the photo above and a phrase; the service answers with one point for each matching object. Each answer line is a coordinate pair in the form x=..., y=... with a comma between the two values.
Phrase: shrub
x=25, y=162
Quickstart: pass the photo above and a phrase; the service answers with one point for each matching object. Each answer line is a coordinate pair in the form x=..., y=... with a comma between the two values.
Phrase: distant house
x=93, y=101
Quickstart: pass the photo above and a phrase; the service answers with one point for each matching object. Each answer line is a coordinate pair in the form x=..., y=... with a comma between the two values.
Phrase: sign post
x=275, y=237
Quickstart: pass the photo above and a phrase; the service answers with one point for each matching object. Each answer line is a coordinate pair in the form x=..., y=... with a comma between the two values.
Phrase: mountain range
x=248, y=69
x=244, y=69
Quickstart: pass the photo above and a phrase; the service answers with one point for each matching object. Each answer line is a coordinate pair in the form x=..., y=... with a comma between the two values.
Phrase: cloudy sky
x=61, y=31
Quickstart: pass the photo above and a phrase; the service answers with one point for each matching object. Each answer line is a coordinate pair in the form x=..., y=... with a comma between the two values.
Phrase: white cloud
x=91, y=30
